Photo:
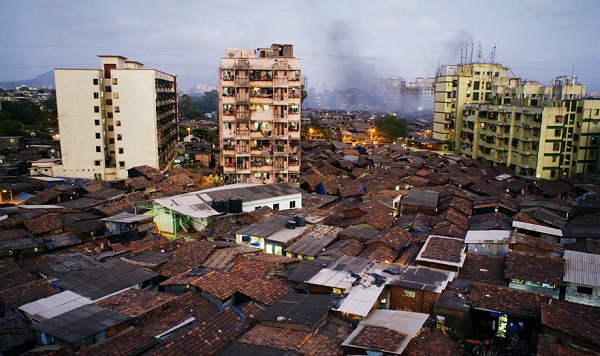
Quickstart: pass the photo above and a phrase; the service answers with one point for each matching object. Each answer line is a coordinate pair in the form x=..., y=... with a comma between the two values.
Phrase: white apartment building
x=259, y=115
x=114, y=118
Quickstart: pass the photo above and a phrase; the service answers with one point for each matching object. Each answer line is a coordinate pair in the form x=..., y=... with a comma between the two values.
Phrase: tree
x=320, y=131
x=11, y=127
x=391, y=127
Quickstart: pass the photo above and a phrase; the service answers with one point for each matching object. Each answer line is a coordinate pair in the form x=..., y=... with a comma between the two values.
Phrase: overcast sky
x=341, y=43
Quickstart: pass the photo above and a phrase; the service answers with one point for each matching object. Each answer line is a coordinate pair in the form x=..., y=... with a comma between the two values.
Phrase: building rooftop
x=582, y=268
x=489, y=237
x=443, y=250
x=423, y=278
x=298, y=308
x=386, y=331
x=81, y=323
x=55, y=305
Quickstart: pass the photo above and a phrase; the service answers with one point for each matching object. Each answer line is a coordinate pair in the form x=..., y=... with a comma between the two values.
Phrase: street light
x=189, y=129
x=372, y=130
x=310, y=131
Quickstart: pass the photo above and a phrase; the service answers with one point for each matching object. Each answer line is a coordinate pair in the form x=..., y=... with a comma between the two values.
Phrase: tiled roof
x=189, y=255
x=444, y=250
x=535, y=268
x=380, y=253
x=27, y=292
x=210, y=336
x=224, y=284
x=378, y=338
x=223, y=257
x=43, y=223
x=394, y=237
x=507, y=300
x=485, y=269
x=548, y=347
x=135, y=302
x=577, y=320
x=341, y=248
x=248, y=266
x=428, y=343
x=292, y=340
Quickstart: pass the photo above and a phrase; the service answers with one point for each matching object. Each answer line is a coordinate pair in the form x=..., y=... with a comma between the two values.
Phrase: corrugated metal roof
x=582, y=268
x=127, y=218
x=55, y=305
x=537, y=228
x=452, y=300
x=362, y=297
x=489, y=236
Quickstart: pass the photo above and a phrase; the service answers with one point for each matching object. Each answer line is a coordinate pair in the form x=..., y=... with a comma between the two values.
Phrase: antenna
x=479, y=52
x=471, y=57
x=461, y=53
x=493, y=54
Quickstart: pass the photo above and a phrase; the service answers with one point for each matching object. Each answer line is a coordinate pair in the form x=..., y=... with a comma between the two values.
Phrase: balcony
x=242, y=64
x=280, y=150
x=242, y=132
x=260, y=133
x=260, y=150
x=242, y=99
x=242, y=149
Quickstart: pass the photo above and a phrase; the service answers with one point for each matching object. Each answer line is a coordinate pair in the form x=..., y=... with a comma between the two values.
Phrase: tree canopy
x=391, y=127
x=194, y=107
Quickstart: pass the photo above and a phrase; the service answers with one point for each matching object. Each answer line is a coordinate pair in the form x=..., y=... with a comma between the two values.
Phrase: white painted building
x=195, y=209
x=114, y=118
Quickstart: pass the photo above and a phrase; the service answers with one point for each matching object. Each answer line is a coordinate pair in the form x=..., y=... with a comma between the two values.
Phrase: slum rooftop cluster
x=402, y=253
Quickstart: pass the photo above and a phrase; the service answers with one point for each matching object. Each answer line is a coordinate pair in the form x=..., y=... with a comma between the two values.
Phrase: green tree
x=391, y=127
x=320, y=131
x=25, y=111
x=9, y=127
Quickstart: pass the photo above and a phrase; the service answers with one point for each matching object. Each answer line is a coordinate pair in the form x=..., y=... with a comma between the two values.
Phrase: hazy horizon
x=341, y=44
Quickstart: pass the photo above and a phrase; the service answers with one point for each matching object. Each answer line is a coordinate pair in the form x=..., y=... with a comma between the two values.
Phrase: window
x=585, y=290
x=476, y=85
x=556, y=146
x=476, y=96
x=96, y=95
x=96, y=109
x=115, y=81
x=116, y=95
x=97, y=122
x=111, y=141
x=121, y=164
x=594, y=140
x=95, y=81
x=118, y=123
x=117, y=109
x=111, y=128
x=554, y=158
x=121, y=150
x=96, y=163
x=557, y=133
x=98, y=149
x=292, y=204
x=109, y=115
x=108, y=89
x=119, y=137
x=108, y=101
x=275, y=206
x=97, y=135
x=408, y=293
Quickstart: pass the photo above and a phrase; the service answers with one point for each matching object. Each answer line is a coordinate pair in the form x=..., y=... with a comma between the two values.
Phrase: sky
x=342, y=43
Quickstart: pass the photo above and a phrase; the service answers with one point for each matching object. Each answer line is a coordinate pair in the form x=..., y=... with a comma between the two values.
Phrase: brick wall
x=422, y=302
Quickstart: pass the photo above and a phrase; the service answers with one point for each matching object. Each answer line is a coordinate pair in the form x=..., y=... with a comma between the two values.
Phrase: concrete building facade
x=548, y=132
x=114, y=118
x=260, y=95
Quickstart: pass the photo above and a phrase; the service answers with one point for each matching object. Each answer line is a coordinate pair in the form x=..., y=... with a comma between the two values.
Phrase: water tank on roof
x=291, y=224
x=300, y=220
x=235, y=205
x=220, y=205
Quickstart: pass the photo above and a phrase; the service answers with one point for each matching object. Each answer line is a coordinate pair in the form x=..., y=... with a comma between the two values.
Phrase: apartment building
x=548, y=132
x=259, y=115
x=113, y=118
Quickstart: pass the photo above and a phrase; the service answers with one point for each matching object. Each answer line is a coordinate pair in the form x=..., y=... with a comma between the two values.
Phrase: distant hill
x=42, y=80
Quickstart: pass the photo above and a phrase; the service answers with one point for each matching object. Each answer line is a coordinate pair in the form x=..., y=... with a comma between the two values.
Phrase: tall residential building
x=544, y=131
x=113, y=118
x=259, y=115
